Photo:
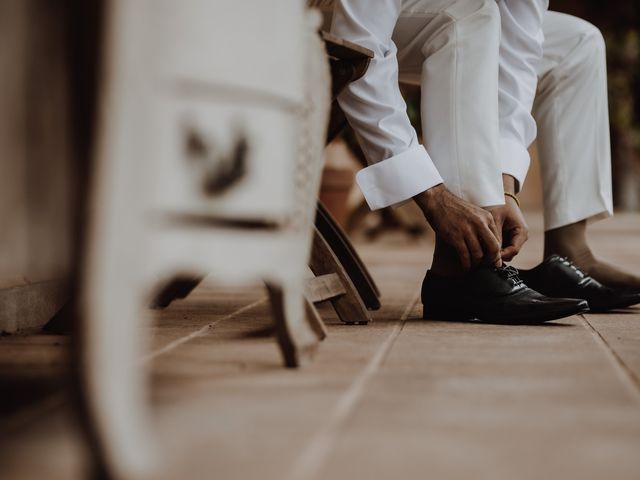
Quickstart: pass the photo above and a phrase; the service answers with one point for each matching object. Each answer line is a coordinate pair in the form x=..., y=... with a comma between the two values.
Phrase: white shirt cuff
x=398, y=178
x=515, y=160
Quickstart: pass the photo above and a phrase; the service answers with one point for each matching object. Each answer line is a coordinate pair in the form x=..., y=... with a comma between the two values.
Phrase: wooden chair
x=341, y=276
x=198, y=169
x=344, y=279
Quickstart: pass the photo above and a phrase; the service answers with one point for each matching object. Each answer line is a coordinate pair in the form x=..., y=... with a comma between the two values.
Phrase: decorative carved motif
x=220, y=171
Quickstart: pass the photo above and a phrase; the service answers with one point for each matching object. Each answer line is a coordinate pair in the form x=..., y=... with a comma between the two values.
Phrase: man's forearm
x=425, y=199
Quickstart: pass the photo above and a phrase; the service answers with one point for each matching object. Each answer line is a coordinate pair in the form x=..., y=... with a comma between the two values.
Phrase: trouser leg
x=571, y=111
x=450, y=48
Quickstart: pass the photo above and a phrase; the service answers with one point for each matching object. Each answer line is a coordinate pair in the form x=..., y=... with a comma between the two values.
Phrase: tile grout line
x=308, y=463
x=200, y=332
x=627, y=376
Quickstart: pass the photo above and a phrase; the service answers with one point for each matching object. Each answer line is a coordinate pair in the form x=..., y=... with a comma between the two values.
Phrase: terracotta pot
x=334, y=192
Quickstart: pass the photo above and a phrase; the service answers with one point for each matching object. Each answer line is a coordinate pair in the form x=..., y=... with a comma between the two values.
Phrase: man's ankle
x=570, y=241
x=445, y=261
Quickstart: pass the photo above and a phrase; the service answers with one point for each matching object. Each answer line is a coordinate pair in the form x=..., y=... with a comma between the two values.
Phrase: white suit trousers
x=451, y=49
x=571, y=110
x=456, y=66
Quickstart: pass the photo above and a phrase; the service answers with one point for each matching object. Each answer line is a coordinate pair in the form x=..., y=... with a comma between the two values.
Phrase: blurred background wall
x=36, y=174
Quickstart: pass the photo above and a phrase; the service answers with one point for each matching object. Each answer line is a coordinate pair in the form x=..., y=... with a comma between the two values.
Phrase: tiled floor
x=400, y=398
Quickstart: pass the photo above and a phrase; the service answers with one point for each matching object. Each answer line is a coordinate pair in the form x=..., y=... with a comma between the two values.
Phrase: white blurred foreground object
x=211, y=134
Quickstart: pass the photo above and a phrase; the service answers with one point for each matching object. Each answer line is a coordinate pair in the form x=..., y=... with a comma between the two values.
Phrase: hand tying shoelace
x=511, y=274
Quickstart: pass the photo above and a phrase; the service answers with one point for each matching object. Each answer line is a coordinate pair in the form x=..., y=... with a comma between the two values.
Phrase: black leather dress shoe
x=558, y=277
x=492, y=295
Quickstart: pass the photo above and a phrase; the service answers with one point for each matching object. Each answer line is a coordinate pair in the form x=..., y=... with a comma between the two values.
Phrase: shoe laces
x=511, y=274
x=570, y=264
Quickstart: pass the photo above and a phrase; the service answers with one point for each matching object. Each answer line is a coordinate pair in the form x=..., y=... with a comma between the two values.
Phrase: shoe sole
x=522, y=320
x=615, y=306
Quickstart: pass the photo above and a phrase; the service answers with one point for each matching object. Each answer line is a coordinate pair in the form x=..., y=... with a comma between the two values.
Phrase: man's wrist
x=425, y=199
x=509, y=184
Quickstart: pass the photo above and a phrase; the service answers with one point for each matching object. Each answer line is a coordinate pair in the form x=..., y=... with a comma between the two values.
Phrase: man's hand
x=510, y=222
x=470, y=230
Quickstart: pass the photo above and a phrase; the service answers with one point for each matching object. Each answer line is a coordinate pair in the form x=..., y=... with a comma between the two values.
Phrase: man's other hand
x=470, y=230
x=510, y=222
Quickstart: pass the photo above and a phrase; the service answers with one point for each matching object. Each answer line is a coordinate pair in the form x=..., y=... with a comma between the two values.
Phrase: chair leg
x=349, y=306
x=348, y=257
x=315, y=321
x=179, y=287
x=113, y=382
x=113, y=334
x=297, y=336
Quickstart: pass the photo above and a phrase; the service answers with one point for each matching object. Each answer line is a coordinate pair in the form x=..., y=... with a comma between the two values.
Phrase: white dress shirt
x=399, y=166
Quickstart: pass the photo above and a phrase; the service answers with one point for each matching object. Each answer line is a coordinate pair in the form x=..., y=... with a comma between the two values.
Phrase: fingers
x=509, y=253
x=495, y=225
x=463, y=254
x=520, y=238
x=475, y=249
x=516, y=242
x=472, y=232
x=491, y=245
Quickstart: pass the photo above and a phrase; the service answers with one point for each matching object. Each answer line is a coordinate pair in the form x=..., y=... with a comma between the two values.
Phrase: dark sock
x=571, y=242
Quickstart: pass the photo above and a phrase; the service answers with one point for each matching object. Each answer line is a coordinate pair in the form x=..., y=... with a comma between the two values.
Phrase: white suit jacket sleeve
x=520, y=52
x=399, y=167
